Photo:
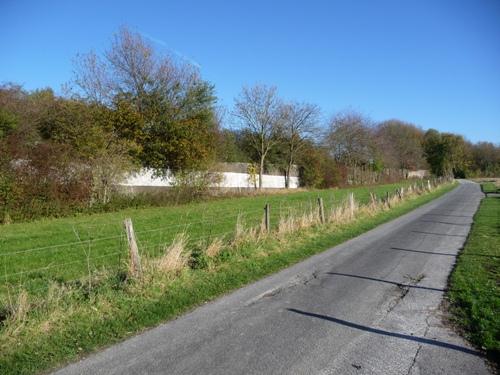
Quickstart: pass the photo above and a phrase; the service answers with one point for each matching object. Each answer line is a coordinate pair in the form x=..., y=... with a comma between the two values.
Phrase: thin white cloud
x=175, y=52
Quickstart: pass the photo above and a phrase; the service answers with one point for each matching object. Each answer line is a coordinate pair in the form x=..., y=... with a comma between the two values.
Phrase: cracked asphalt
x=369, y=306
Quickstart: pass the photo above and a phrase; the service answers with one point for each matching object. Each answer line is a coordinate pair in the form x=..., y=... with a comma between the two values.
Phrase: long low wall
x=243, y=180
x=228, y=180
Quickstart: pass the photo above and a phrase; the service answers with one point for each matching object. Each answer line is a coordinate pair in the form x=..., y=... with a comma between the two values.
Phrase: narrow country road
x=368, y=306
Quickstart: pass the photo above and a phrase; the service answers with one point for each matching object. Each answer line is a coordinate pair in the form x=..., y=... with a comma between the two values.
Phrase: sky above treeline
x=433, y=63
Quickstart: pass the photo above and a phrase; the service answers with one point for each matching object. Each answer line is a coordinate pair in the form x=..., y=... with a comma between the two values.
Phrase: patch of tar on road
x=357, y=367
x=298, y=280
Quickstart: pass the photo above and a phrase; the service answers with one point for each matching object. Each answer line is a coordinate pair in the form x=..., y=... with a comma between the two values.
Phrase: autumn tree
x=168, y=108
x=258, y=110
x=350, y=139
x=317, y=167
x=399, y=144
x=485, y=159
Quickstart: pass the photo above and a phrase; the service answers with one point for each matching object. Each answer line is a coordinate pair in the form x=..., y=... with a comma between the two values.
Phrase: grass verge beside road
x=69, y=323
x=474, y=285
x=66, y=249
x=490, y=187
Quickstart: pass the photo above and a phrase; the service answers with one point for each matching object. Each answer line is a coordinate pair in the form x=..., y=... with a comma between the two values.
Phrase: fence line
x=299, y=207
x=120, y=236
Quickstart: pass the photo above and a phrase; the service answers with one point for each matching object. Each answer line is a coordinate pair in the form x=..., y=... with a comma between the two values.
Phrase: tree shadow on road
x=445, y=254
x=420, y=340
x=400, y=285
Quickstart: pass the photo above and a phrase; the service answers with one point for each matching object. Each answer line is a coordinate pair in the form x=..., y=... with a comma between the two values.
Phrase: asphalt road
x=368, y=306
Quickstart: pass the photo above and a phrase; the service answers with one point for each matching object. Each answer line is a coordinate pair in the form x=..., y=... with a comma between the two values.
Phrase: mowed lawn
x=65, y=249
x=475, y=282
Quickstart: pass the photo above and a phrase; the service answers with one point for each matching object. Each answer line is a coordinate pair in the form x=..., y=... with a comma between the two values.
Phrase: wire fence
x=105, y=247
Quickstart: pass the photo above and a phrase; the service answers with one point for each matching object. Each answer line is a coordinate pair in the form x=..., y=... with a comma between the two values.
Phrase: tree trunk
x=261, y=172
x=287, y=175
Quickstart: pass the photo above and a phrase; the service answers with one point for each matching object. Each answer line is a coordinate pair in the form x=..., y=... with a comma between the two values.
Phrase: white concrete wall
x=243, y=180
x=421, y=173
x=229, y=180
x=145, y=178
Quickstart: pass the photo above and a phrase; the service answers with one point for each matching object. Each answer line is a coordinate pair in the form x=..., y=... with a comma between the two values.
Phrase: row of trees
x=284, y=133
x=131, y=107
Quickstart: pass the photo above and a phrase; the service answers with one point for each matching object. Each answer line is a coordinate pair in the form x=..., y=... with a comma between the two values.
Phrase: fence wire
x=34, y=266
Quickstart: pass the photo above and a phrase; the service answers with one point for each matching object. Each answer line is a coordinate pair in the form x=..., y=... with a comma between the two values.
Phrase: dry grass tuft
x=214, y=248
x=393, y=200
x=21, y=308
x=239, y=232
x=287, y=224
x=174, y=258
x=243, y=234
x=308, y=219
x=55, y=294
x=17, y=313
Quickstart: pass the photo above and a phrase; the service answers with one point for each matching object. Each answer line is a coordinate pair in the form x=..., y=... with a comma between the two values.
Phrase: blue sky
x=433, y=63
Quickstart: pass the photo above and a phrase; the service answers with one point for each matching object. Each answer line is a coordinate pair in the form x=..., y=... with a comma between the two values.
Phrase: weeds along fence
x=124, y=249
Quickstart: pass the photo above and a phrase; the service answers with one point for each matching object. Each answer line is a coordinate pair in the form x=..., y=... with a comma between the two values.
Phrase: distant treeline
x=132, y=107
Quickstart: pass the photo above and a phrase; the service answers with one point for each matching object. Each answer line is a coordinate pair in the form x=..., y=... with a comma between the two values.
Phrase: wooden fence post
x=267, y=217
x=135, y=268
x=321, y=208
x=351, y=205
x=400, y=193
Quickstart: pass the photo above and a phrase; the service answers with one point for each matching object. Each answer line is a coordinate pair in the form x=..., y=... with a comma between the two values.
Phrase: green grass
x=474, y=290
x=60, y=328
x=64, y=249
x=490, y=187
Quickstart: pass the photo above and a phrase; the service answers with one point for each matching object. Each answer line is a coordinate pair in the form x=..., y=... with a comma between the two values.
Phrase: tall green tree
x=446, y=153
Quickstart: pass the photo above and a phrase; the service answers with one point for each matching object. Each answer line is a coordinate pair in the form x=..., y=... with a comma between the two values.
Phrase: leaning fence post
x=267, y=217
x=135, y=260
x=321, y=208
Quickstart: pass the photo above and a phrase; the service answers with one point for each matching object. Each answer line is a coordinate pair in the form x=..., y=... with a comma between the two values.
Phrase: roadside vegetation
x=49, y=318
x=65, y=249
x=474, y=289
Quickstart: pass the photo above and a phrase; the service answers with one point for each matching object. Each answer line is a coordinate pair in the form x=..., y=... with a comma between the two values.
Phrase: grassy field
x=70, y=320
x=474, y=290
x=36, y=253
x=490, y=187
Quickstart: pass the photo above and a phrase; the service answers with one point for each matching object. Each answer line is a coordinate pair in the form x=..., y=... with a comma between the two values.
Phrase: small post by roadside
x=351, y=205
x=135, y=268
x=321, y=208
x=267, y=217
